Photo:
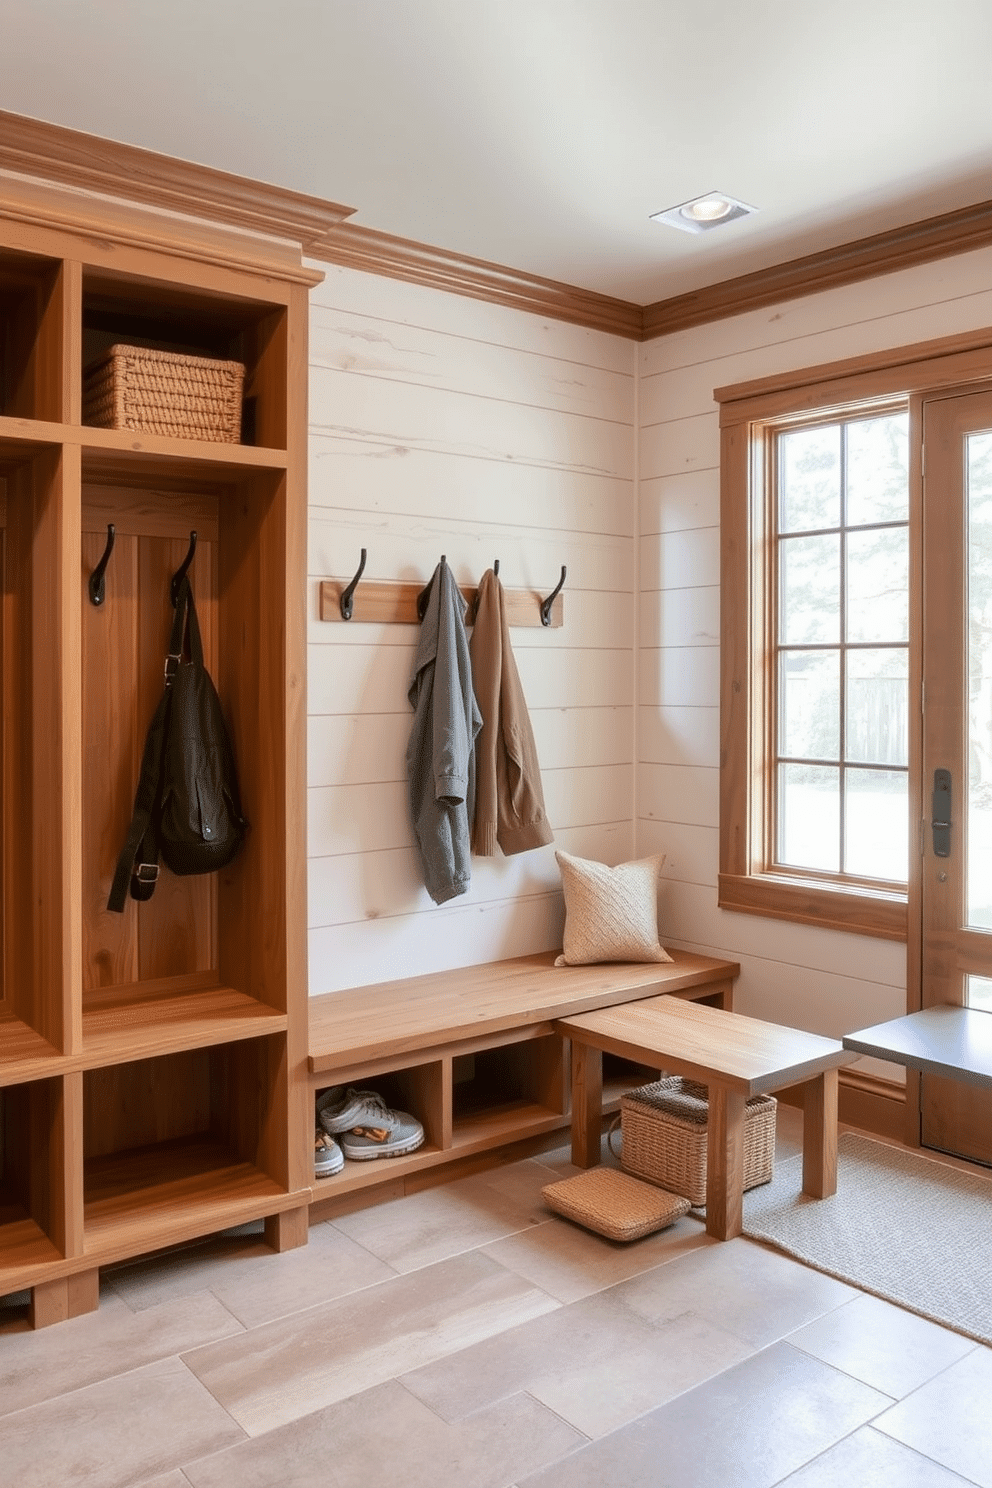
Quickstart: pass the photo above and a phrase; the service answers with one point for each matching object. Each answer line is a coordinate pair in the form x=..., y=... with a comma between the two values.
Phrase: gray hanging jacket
x=440, y=757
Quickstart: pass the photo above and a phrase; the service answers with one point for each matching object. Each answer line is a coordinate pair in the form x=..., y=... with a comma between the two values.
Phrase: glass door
x=957, y=746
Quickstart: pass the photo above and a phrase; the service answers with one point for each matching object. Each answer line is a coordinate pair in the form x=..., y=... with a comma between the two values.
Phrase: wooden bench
x=474, y=1054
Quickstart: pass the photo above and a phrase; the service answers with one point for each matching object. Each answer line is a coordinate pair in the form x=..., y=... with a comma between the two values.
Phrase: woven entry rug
x=908, y=1228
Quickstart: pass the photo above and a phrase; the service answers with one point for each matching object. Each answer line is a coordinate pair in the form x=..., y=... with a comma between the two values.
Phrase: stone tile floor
x=465, y=1338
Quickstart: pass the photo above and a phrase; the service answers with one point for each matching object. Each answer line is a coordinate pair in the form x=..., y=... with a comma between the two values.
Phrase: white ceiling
x=541, y=133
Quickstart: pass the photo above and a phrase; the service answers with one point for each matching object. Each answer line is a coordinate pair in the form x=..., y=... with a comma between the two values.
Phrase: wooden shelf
x=155, y=1196
x=24, y=1054
x=25, y=1253
x=115, y=450
x=510, y=1123
x=141, y=1022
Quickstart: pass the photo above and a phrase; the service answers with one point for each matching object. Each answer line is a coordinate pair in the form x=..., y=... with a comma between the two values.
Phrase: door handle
x=940, y=813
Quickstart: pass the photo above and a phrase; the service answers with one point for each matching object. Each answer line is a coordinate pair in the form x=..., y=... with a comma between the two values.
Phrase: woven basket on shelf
x=162, y=392
x=664, y=1137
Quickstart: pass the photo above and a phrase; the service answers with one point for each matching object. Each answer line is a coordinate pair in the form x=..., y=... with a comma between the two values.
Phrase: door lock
x=940, y=813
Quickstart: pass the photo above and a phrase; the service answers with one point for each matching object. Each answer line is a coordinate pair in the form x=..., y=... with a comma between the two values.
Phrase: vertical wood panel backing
x=267, y=355
x=73, y=1128
x=56, y=756
x=49, y=1159
x=292, y=845
x=71, y=377
x=111, y=756
x=49, y=371
x=7, y=680
x=152, y=1100
x=247, y=1094
x=176, y=927
x=17, y=767
x=252, y=928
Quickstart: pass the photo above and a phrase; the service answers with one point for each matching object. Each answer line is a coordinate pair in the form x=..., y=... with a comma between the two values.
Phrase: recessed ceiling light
x=704, y=212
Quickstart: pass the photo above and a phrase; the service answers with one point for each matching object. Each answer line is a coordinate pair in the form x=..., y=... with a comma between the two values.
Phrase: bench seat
x=474, y=1054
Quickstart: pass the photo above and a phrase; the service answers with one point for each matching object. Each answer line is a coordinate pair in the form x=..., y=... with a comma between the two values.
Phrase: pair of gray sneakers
x=365, y=1126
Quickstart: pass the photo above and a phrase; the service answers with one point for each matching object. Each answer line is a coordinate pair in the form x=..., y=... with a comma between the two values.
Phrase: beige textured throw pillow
x=611, y=914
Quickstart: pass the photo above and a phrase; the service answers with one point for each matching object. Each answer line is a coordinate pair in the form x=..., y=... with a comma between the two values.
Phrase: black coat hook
x=348, y=595
x=98, y=588
x=496, y=566
x=424, y=596
x=547, y=603
x=182, y=571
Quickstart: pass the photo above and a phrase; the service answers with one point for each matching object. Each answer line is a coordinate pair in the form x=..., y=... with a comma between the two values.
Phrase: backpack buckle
x=146, y=873
x=171, y=667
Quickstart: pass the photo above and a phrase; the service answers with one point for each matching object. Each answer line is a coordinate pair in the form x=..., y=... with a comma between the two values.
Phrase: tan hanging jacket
x=509, y=800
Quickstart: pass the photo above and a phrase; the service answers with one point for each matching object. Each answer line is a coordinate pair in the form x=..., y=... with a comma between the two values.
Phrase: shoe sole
x=398, y=1149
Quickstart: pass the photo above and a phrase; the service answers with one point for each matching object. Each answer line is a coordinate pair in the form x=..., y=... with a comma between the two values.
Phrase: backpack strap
x=137, y=867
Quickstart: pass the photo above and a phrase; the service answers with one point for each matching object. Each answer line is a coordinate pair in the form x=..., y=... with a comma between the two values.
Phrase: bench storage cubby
x=473, y=1054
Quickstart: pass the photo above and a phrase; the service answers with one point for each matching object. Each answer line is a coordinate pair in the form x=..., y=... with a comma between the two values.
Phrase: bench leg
x=287, y=1230
x=587, y=1105
x=725, y=1163
x=68, y=1297
x=820, y=1135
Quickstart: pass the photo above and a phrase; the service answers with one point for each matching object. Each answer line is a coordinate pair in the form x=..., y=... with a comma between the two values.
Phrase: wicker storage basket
x=162, y=392
x=664, y=1137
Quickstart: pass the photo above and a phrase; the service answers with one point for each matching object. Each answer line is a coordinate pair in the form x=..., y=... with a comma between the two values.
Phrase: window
x=840, y=649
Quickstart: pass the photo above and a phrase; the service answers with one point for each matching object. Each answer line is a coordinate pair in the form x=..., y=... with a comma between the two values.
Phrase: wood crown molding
x=864, y=258
x=400, y=258
x=84, y=162
x=68, y=157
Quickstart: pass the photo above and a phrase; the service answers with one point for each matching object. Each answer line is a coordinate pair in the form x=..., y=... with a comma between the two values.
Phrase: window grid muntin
x=775, y=850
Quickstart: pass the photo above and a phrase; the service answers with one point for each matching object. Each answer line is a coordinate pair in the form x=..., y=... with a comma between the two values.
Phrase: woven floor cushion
x=614, y=1204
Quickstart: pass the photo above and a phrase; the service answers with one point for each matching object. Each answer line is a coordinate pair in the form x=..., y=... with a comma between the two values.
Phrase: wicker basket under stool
x=163, y=392
x=664, y=1137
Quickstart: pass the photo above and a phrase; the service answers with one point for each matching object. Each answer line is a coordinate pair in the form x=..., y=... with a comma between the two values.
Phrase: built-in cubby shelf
x=152, y=1063
x=135, y=1022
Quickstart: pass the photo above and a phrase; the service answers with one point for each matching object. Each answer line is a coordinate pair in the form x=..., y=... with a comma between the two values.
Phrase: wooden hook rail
x=393, y=602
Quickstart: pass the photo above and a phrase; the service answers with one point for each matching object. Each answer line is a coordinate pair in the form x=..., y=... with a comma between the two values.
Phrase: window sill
x=858, y=911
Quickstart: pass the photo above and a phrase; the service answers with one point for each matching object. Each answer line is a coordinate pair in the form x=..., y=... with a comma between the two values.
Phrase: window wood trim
x=744, y=884
x=745, y=683
x=939, y=368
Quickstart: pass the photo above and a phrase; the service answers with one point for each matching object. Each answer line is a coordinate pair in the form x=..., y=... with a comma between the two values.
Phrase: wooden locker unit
x=153, y=1081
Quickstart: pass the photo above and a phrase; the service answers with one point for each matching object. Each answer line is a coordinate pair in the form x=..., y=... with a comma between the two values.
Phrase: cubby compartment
x=32, y=1181
x=418, y=1089
x=196, y=322
x=507, y=1092
x=207, y=948
x=34, y=1002
x=182, y=1144
x=621, y=1075
x=31, y=337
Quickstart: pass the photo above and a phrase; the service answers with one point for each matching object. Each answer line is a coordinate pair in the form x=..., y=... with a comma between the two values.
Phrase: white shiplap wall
x=820, y=980
x=441, y=424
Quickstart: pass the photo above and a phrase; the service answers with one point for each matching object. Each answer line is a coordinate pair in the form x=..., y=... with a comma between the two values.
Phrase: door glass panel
x=978, y=993
x=979, y=579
